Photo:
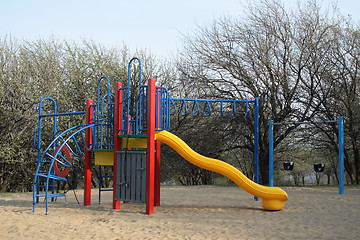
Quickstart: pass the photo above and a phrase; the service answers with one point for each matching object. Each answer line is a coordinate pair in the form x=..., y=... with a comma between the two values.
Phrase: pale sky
x=155, y=25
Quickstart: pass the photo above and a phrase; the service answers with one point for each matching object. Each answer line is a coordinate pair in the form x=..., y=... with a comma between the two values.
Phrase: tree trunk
x=348, y=167
x=264, y=165
x=356, y=161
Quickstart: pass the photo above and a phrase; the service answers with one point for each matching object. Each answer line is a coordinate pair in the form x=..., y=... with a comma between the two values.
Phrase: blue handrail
x=99, y=112
x=128, y=88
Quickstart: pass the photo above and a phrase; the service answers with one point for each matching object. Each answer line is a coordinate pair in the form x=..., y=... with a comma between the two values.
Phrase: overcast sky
x=155, y=25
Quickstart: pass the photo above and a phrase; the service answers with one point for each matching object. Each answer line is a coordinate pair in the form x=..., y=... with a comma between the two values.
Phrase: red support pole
x=150, y=156
x=88, y=142
x=117, y=140
x=157, y=173
x=157, y=158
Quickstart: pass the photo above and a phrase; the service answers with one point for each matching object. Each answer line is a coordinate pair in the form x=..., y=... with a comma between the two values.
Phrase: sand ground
x=200, y=212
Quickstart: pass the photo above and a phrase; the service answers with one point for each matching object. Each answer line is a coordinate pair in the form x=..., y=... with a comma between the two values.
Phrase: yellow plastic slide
x=273, y=198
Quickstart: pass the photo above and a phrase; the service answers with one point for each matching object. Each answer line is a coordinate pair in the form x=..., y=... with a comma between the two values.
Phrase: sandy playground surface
x=200, y=212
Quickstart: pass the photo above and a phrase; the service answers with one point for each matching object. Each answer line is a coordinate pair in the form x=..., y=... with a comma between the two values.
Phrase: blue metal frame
x=109, y=125
x=58, y=140
x=341, y=155
x=207, y=107
x=256, y=141
x=50, y=174
x=163, y=107
x=38, y=147
x=127, y=98
x=340, y=122
x=99, y=116
x=271, y=154
x=100, y=180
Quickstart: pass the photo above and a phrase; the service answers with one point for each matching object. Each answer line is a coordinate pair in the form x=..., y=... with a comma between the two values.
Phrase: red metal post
x=88, y=142
x=157, y=173
x=117, y=140
x=150, y=156
x=157, y=158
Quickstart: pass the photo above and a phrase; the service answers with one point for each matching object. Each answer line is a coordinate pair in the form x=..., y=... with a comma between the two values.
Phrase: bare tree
x=342, y=91
x=275, y=55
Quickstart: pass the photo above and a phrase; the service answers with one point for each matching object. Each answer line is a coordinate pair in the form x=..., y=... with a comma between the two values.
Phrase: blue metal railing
x=98, y=116
x=162, y=109
x=141, y=106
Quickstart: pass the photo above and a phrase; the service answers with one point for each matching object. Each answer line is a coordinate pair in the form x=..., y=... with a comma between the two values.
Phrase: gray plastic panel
x=131, y=176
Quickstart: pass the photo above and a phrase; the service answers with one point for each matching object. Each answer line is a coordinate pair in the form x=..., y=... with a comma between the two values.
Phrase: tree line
x=66, y=71
x=303, y=65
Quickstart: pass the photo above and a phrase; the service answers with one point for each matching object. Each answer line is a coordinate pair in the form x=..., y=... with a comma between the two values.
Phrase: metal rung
x=106, y=190
x=106, y=176
x=51, y=195
x=51, y=177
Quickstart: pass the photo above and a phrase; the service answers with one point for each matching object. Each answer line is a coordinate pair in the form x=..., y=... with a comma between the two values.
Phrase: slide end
x=273, y=204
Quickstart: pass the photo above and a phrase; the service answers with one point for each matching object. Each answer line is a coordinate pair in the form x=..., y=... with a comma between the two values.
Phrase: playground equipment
x=131, y=144
x=318, y=167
